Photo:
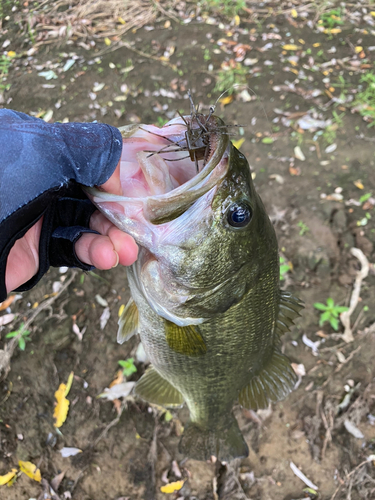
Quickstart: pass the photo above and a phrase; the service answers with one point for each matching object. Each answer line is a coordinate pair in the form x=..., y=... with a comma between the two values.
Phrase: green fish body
x=205, y=291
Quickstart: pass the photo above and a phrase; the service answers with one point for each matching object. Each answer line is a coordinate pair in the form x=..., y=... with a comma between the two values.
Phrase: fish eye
x=239, y=214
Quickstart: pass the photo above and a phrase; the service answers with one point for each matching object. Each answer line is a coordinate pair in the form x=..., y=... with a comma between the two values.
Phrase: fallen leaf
x=56, y=481
x=121, y=310
x=359, y=184
x=119, y=379
x=7, y=477
x=238, y=144
x=172, y=487
x=6, y=318
x=69, y=451
x=358, y=49
x=353, y=430
x=299, y=154
x=226, y=100
x=62, y=407
x=291, y=46
x=30, y=470
x=7, y=302
x=267, y=140
x=294, y=171
x=107, y=41
x=106, y=314
x=117, y=391
x=294, y=13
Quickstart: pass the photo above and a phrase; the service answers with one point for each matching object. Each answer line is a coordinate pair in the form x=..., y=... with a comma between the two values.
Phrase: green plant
x=285, y=267
x=161, y=120
x=5, y=63
x=365, y=101
x=228, y=8
x=24, y=336
x=330, y=313
x=331, y=19
x=303, y=228
x=128, y=366
x=227, y=78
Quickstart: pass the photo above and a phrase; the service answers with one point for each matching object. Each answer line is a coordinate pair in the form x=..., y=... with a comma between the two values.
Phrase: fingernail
x=117, y=259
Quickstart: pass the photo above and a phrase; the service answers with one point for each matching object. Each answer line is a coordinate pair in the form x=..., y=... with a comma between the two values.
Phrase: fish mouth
x=163, y=171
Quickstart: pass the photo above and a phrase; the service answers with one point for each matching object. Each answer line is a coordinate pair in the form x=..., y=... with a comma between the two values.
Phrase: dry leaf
x=7, y=477
x=117, y=391
x=118, y=379
x=69, y=451
x=238, y=144
x=30, y=470
x=226, y=100
x=62, y=407
x=291, y=46
x=7, y=302
x=172, y=487
x=6, y=318
x=359, y=184
x=294, y=171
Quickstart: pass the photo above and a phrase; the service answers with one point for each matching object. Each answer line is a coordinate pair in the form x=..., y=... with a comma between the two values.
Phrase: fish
x=205, y=289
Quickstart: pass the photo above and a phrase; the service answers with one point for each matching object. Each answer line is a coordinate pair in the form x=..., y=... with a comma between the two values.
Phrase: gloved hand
x=45, y=219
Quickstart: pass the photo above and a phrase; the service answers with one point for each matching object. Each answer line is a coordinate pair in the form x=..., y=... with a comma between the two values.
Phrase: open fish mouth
x=163, y=171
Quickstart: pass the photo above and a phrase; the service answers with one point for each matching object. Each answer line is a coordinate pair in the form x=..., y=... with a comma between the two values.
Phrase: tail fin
x=224, y=442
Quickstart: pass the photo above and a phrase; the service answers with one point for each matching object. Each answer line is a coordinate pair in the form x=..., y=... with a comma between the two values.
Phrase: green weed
x=303, y=228
x=331, y=19
x=161, y=120
x=227, y=78
x=24, y=336
x=128, y=366
x=227, y=8
x=285, y=267
x=366, y=98
x=5, y=63
x=330, y=313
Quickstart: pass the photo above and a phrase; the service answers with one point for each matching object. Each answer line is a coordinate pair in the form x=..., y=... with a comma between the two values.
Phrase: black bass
x=206, y=300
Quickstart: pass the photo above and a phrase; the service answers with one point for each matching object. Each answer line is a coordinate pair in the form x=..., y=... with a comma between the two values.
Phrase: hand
x=102, y=251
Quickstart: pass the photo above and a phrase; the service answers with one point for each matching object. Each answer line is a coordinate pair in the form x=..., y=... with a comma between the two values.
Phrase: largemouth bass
x=206, y=300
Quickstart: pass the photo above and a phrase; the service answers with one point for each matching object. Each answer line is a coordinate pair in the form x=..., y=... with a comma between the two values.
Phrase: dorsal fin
x=128, y=322
x=274, y=382
x=185, y=340
x=153, y=388
x=289, y=308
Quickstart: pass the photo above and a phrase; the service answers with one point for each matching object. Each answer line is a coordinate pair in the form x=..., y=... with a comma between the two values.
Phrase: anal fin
x=185, y=340
x=128, y=322
x=153, y=388
x=273, y=383
x=289, y=308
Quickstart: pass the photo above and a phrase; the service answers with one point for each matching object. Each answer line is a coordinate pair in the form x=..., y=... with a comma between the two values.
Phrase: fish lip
x=220, y=147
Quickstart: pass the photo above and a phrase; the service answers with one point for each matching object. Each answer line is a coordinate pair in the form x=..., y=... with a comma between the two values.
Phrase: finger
x=113, y=185
x=96, y=250
x=124, y=245
x=100, y=223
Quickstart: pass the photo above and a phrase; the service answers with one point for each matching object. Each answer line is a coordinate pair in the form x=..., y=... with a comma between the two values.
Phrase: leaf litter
x=315, y=96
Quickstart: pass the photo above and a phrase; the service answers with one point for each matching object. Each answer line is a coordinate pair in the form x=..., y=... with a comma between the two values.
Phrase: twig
x=361, y=275
x=7, y=353
x=111, y=424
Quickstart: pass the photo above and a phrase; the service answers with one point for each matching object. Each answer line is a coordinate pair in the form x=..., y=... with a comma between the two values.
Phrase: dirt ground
x=315, y=203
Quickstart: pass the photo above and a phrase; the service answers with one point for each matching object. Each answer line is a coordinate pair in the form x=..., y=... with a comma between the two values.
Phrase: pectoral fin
x=153, y=388
x=128, y=322
x=289, y=308
x=273, y=383
x=185, y=340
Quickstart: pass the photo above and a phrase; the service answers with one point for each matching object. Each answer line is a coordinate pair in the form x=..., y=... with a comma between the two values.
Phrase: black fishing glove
x=41, y=166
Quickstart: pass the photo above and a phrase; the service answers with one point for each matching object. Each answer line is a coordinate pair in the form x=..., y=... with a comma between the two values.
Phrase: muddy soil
x=132, y=458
